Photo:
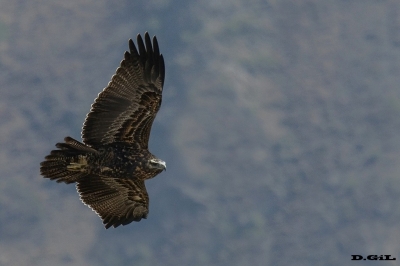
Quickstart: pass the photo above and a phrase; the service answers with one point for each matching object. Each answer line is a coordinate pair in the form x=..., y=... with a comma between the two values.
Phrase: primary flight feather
x=111, y=165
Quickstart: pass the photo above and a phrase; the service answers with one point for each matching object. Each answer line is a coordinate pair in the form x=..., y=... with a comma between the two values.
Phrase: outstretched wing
x=126, y=108
x=117, y=201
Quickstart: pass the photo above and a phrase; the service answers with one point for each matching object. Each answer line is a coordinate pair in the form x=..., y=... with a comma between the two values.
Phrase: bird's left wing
x=117, y=201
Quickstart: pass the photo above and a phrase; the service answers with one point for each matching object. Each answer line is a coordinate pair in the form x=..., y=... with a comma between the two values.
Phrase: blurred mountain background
x=279, y=125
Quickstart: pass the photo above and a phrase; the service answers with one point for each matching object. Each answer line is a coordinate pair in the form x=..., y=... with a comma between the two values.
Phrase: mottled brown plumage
x=112, y=163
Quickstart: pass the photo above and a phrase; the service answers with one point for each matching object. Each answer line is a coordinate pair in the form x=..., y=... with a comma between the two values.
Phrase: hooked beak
x=164, y=166
x=158, y=164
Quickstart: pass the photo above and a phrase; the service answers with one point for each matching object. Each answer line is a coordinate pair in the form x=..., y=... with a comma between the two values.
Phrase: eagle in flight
x=111, y=165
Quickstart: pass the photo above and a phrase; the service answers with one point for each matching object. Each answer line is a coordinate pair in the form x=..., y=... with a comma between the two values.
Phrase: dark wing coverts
x=126, y=108
x=116, y=201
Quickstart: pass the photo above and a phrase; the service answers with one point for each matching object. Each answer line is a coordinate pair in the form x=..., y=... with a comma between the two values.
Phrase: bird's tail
x=68, y=164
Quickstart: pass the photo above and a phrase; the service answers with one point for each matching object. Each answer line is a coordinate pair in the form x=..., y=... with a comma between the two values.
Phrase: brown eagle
x=111, y=165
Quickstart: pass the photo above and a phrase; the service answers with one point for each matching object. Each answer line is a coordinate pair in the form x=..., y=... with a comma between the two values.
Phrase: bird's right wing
x=125, y=110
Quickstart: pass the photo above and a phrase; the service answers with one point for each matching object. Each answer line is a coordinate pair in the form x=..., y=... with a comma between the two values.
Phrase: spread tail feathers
x=68, y=164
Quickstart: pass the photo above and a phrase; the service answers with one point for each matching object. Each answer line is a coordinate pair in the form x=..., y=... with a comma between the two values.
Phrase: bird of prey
x=111, y=165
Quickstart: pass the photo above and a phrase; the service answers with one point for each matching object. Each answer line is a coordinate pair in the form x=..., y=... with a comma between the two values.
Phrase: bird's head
x=157, y=164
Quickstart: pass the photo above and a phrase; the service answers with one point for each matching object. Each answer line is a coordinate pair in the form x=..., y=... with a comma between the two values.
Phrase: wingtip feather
x=149, y=46
x=132, y=48
x=156, y=49
x=141, y=46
